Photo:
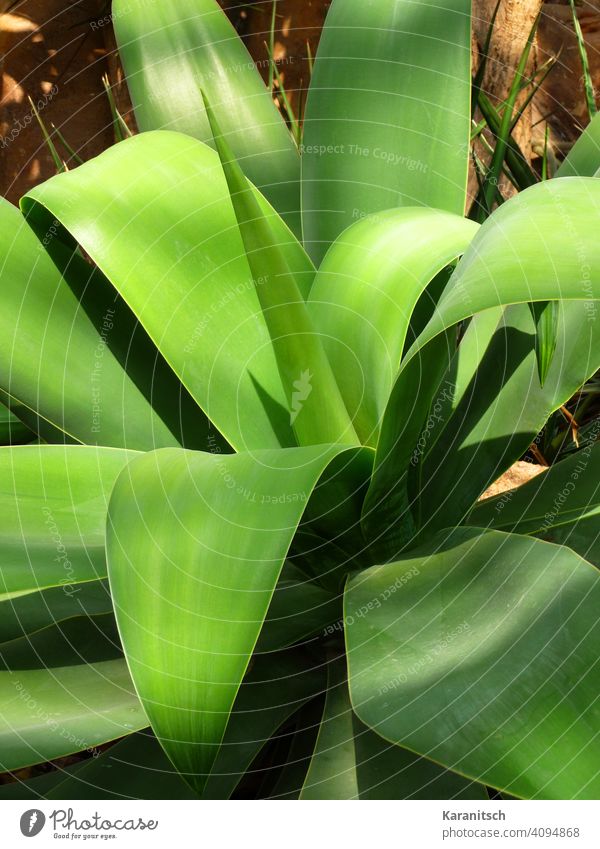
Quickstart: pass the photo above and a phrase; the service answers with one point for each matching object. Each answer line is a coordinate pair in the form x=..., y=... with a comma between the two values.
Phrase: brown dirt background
x=54, y=43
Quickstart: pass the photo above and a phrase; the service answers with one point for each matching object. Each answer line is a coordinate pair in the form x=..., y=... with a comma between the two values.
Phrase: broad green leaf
x=364, y=295
x=519, y=171
x=501, y=412
x=352, y=762
x=475, y=341
x=12, y=429
x=41, y=428
x=195, y=545
x=173, y=52
x=583, y=160
x=434, y=383
x=189, y=284
x=57, y=360
x=293, y=773
x=38, y=787
x=539, y=246
x=35, y=610
x=50, y=713
x=524, y=252
x=329, y=542
x=328, y=562
x=583, y=536
x=80, y=640
x=388, y=113
x=387, y=518
x=563, y=494
x=480, y=652
x=53, y=506
x=134, y=768
x=299, y=608
x=276, y=687
x=316, y=408
x=545, y=315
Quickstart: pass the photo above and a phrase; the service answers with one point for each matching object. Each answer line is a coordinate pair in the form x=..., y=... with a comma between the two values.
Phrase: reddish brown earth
x=518, y=474
x=562, y=97
x=55, y=54
x=296, y=25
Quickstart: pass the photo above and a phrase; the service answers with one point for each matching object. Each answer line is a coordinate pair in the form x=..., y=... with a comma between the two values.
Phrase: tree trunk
x=511, y=30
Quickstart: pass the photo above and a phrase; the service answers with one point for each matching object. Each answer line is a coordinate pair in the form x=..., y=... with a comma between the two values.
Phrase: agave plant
x=263, y=403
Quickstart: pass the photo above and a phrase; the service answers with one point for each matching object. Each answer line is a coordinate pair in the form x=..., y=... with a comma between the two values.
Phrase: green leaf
x=480, y=652
x=28, y=613
x=53, y=506
x=134, y=768
x=583, y=160
x=387, y=517
x=527, y=251
x=364, y=295
x=524, y=252
x=329, y=542
x=500, y=411
x=583, y=536
x=564, y=493
x=588, y=82
x=317, y=411
x=195, y=544
x=275, y=688
x=520, y=170
x=190, y=285
x=388, y=113
x=82, y=639
x=54, y=358
x=38, y=787
x=299, y=608
x=507, y=121
x=50, y=713
x=293, y=773
x=352, y=762
x=545, y=316
x=12, y=429
x=171, y=53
